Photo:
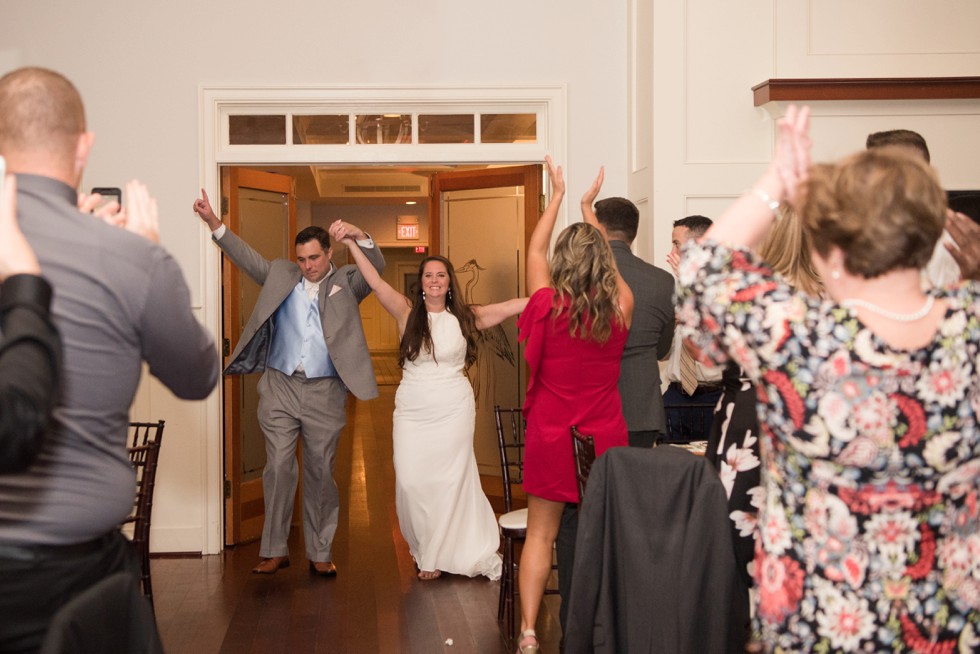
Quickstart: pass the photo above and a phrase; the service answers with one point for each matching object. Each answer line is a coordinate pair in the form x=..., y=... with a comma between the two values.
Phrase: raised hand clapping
x=16, y=255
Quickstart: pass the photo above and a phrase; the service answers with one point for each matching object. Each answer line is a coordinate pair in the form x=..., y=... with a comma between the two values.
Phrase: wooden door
x=260, y=207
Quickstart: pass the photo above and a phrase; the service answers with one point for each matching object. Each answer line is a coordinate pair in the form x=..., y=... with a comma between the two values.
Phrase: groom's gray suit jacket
x=340, y=293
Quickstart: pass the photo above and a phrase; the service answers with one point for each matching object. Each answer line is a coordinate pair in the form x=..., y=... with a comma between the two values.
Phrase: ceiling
x=352, y=185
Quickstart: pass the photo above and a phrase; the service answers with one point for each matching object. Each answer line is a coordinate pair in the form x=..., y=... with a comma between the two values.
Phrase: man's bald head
x=41, y=120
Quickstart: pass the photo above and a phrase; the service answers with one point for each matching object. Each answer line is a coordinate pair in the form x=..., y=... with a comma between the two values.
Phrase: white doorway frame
x=217, y=103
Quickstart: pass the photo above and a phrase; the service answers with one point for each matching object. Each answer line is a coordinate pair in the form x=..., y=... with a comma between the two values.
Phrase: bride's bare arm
x=393, y=302
x=488, y=315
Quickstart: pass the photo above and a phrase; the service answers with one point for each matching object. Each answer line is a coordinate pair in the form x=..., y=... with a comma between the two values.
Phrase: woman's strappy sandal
x=532, y=648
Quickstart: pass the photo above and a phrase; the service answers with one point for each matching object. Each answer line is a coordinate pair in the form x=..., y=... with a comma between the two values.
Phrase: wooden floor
x=376, y=604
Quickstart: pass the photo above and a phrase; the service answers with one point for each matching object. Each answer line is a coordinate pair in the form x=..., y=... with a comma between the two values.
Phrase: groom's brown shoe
x=271, y=565
x=323, y=568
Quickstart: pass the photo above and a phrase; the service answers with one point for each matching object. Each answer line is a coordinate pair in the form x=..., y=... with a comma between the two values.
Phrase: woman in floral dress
x=868, y=401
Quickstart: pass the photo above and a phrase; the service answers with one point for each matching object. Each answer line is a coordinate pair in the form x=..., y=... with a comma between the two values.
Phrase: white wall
x=139, y=67
x=709, y=143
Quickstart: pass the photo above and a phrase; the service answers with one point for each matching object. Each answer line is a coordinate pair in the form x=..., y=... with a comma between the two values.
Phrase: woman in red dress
x=574, y=329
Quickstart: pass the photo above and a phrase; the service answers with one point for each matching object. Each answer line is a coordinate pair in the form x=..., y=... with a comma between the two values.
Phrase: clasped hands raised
x=341, y=231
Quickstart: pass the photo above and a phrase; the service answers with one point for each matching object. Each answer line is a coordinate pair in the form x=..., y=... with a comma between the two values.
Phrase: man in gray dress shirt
x=120, y=301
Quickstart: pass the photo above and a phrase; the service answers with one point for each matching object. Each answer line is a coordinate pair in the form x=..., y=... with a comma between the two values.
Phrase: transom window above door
x=373, y=125
x=391, y=128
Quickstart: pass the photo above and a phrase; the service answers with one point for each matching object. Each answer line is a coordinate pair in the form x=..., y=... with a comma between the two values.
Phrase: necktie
x=312, y=290
x=689, y=374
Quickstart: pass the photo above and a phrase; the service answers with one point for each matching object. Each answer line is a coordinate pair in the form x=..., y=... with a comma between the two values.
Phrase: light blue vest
x=297, y=337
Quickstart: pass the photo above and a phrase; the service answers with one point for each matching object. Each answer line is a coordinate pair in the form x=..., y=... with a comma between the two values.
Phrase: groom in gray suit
x=305, y=332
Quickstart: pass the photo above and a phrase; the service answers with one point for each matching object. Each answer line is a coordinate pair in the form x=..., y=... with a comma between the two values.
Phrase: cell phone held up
x=109, y=194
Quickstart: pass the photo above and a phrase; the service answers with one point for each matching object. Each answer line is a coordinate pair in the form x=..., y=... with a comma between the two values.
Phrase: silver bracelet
x=768, y=201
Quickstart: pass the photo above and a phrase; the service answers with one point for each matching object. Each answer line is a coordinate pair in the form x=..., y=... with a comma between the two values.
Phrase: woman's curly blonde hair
x=583, y=275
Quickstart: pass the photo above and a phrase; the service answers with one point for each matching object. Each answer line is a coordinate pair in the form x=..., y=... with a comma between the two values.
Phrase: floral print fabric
x=733, y=449
x=869, y=532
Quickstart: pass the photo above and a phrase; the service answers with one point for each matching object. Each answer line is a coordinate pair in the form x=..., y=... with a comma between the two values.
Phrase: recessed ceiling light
x=410, y=202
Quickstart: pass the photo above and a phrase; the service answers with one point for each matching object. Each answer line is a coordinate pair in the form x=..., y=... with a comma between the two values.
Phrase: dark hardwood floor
x=376, y=604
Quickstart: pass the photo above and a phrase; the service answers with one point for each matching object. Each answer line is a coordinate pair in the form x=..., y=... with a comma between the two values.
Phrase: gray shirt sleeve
x=177, y=348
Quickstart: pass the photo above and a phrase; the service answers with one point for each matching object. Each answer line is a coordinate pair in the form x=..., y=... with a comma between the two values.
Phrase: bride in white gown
x=442, y=510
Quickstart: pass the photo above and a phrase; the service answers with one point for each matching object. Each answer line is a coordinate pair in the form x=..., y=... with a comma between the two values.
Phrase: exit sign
x=408, y=232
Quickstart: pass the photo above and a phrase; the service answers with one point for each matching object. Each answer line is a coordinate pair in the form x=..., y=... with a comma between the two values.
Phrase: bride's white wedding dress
x=444, y=515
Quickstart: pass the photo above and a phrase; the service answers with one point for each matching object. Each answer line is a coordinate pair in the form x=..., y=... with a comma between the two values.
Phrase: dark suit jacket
x=30, y=368
x=340, y=293
x=654, y=565
x=649, y=339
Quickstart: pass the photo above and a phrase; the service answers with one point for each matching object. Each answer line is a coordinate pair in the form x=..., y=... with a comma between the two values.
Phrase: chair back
x=109, y=616
x=510, y=439
x=653, y=557
x=584, y=458
x=144, y=453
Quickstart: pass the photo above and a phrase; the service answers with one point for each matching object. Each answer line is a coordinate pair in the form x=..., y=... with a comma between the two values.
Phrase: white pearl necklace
x=891, y=315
